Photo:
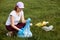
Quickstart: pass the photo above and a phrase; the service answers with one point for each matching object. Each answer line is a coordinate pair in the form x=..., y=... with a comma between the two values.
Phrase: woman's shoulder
x=12, y=12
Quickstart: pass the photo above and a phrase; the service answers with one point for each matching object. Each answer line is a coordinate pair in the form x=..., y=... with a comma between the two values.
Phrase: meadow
x=37, y=10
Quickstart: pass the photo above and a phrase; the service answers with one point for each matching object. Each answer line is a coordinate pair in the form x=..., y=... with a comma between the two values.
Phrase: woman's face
x=19, y=9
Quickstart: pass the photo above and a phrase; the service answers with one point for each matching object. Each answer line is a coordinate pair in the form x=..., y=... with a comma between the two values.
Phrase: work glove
x=20, y=32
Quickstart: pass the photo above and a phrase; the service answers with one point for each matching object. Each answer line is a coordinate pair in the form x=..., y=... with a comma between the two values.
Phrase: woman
x=17, y=15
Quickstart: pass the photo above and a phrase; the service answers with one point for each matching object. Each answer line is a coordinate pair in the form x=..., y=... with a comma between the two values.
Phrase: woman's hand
x=24, y=21
x=20, y=32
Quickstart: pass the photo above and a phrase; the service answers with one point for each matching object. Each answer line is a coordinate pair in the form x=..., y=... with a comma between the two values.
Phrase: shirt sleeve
x=12, y=13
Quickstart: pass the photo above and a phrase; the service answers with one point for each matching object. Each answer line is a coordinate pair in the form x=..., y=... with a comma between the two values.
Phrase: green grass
x=38, y=10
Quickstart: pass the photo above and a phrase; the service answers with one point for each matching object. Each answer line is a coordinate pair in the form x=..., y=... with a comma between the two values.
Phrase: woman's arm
x=23, y=19
x=12, y=23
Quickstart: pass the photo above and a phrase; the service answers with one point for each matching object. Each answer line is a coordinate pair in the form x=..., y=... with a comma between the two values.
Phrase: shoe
x=9, y=34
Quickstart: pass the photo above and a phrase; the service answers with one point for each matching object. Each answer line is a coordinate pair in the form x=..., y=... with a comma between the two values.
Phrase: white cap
x=20, y=4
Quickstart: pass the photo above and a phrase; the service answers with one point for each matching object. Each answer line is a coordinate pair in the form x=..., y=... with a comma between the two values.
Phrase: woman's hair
x=15, y=8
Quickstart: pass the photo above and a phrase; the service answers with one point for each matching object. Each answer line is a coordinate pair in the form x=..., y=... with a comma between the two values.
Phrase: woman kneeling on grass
x=17, y=15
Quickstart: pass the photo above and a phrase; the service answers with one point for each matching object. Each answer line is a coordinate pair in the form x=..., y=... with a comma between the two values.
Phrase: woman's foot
x=9, y=33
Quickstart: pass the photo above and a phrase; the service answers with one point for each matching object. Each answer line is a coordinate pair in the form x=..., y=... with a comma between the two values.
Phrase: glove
x=20, y=32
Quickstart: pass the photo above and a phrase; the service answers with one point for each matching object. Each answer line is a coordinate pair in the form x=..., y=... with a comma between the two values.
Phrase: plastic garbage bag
x=26, y=30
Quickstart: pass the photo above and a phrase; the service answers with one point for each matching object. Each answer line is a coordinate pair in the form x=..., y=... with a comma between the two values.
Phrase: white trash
x=49, y=28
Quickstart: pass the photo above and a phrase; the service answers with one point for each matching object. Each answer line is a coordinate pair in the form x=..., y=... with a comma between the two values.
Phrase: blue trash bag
x=25, y=32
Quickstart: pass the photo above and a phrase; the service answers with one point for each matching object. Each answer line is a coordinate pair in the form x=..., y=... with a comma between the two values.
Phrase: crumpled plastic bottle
x=49, y=28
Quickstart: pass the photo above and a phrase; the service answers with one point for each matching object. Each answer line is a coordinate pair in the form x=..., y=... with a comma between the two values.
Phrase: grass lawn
x=37, y=10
